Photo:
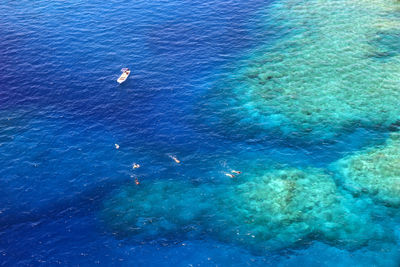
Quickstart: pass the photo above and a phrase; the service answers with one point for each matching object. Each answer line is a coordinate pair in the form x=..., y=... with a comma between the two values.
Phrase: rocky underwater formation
x=282, y=208
x=375, y=171
x=334, y=67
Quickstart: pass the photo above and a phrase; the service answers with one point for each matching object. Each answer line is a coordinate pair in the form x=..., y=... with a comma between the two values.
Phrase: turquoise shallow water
x=300, y=96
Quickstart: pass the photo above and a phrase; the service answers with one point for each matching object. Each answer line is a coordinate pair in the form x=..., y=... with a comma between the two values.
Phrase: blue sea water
x=61, y=112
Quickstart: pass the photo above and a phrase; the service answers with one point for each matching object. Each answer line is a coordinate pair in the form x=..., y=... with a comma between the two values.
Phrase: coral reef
x=286, y=207
x=155, y=209
x=333, y=70
x=375, y=171
x=280, y=209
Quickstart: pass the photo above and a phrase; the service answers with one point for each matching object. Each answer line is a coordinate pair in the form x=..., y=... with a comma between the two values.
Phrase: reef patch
x=282, y=208
x=375, y=171
x=319, y=79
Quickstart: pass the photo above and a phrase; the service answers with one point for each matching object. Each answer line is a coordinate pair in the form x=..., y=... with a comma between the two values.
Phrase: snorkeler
x=135, y=166
x=176, y=160
x=137, y=181
x=116, y=146
x=230, y=175
x=237, y=172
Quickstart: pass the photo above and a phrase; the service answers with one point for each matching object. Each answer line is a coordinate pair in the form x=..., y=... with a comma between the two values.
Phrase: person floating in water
x=137, y=181
x=230, y=175
x=176, y=160
x=116, y=146
x=237, y=172
x=135, y=166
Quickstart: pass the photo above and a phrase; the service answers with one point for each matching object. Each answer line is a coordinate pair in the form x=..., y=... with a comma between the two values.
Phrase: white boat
x=124, y=75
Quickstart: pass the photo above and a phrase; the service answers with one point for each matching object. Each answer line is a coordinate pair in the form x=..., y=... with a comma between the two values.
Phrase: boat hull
x=123, y=77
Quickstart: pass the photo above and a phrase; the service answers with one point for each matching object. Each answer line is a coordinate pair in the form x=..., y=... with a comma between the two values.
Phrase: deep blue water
x=61, y=112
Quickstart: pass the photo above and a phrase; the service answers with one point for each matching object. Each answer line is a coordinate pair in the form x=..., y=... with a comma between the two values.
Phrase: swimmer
x=237, y=172
x=116, y=146
x=135, y=166
x=137, y=181
x=176, y=160
x=230, y=175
